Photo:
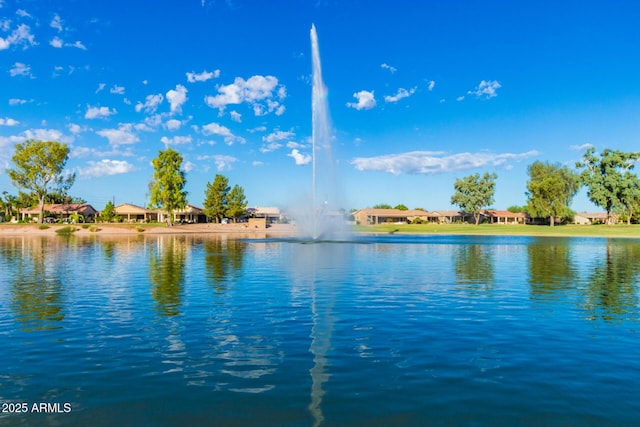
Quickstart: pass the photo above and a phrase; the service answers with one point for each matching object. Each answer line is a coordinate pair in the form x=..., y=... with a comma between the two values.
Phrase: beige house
x=190, y=214
x=506, y=217
x=271, y=214
x=449, y=217
x=59, y=211
x=372, y=216
x=593, y=218
x=134, y=213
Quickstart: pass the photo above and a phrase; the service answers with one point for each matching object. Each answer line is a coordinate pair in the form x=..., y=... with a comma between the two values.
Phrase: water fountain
x=319, y=218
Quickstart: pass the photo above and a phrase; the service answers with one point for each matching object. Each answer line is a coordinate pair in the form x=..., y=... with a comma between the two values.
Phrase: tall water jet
x=320, y=218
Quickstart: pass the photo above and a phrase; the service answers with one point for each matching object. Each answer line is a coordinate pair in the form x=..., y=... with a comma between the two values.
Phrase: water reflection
x=320, y=268
x=551, y=266
x=37, y=289
x=474, y=265
x=223, y=258
x=166, y=272
x=612, y=288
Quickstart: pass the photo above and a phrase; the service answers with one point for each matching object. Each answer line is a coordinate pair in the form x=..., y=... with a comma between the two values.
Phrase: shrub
x=85, y=225
x=93, y=228
x=66, y=230
x=43, y=226
x=139, y=229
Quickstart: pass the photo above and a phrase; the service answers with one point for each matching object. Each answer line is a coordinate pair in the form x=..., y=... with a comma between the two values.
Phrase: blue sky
x=420, y=92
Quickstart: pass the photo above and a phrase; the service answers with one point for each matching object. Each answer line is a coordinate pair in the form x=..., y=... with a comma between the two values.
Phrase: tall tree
x=167, y=186
x=630, y=196
x=216, y=197
x=551, y=188
x=236, y=203
x=38, y=168
x=108, y=214
x=473, y=193
x=605, y=176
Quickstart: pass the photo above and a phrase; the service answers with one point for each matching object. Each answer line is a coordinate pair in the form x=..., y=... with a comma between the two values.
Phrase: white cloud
x=118, y=90
x=434, y=162
x=173, y=124
x=176, y=140
x=8, y=122
x=257, y=163
x=236, y=117
x=257, y=91
x=388, y=67
x=222, y=162
x=47, y=135
x=278, y=135
x=105, y=167
x=460, y=98
x=20, y=69
x=177, y=98
x=225, y=132
x=301, y=159
x=75, y=128
x=98, y=112
x=203, y=76
x=402, y=93
x=486, y=89
x=20, y=36
x=272, y=146
x=366, y=100
x=23, y=13
x=188, y=166
x=581, y=147
x=431, y=85
x=122, y=136
x=101, y=87
x=18, y=101
x=77, y=44
x=56, y=23
x=56, y=42
x=150, y=104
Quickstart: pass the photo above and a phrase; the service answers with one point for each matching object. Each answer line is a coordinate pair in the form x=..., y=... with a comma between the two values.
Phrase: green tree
x=236, y=203
x=167, y=186
x=630, y=196
x=551, y=188
x=473, y=193
x=216, y=197
x=38, y=167
x=9, y=205
x=108, y=214
x=401, y=207
x=517, y=209
x=605, y=177
x=382, y=206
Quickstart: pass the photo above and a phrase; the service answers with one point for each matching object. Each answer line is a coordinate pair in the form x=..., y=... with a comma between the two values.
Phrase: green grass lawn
x=618, y=230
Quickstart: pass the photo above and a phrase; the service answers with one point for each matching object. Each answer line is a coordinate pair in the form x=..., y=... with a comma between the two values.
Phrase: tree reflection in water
x=166, y=272
x=37, y=291
x=223, y=260
x=612, y=288
x=551, y=267
x=474, y=265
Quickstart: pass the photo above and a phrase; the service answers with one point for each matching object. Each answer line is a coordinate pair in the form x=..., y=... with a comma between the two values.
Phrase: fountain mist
x=320, y=218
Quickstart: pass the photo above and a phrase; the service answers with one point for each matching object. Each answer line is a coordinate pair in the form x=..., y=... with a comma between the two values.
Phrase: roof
x=130, y=208
x=504, y=214
x=593, y=215
x=62, y=208
x=447, y=213
x=265, y=210
x=392, y=212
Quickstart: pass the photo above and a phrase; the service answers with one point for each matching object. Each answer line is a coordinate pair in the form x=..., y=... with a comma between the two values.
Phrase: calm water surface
x=394, y=330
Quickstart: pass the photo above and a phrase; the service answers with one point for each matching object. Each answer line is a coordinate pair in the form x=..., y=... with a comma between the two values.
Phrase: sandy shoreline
x=129, y=229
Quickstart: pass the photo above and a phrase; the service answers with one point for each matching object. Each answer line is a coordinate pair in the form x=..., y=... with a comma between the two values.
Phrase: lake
x=397, y=330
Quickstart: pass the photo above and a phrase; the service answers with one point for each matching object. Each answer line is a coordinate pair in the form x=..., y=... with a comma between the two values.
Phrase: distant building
x=271, y=214
x=593, y=218
x=372, y=216
x=505, y=217
x=59, y=211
